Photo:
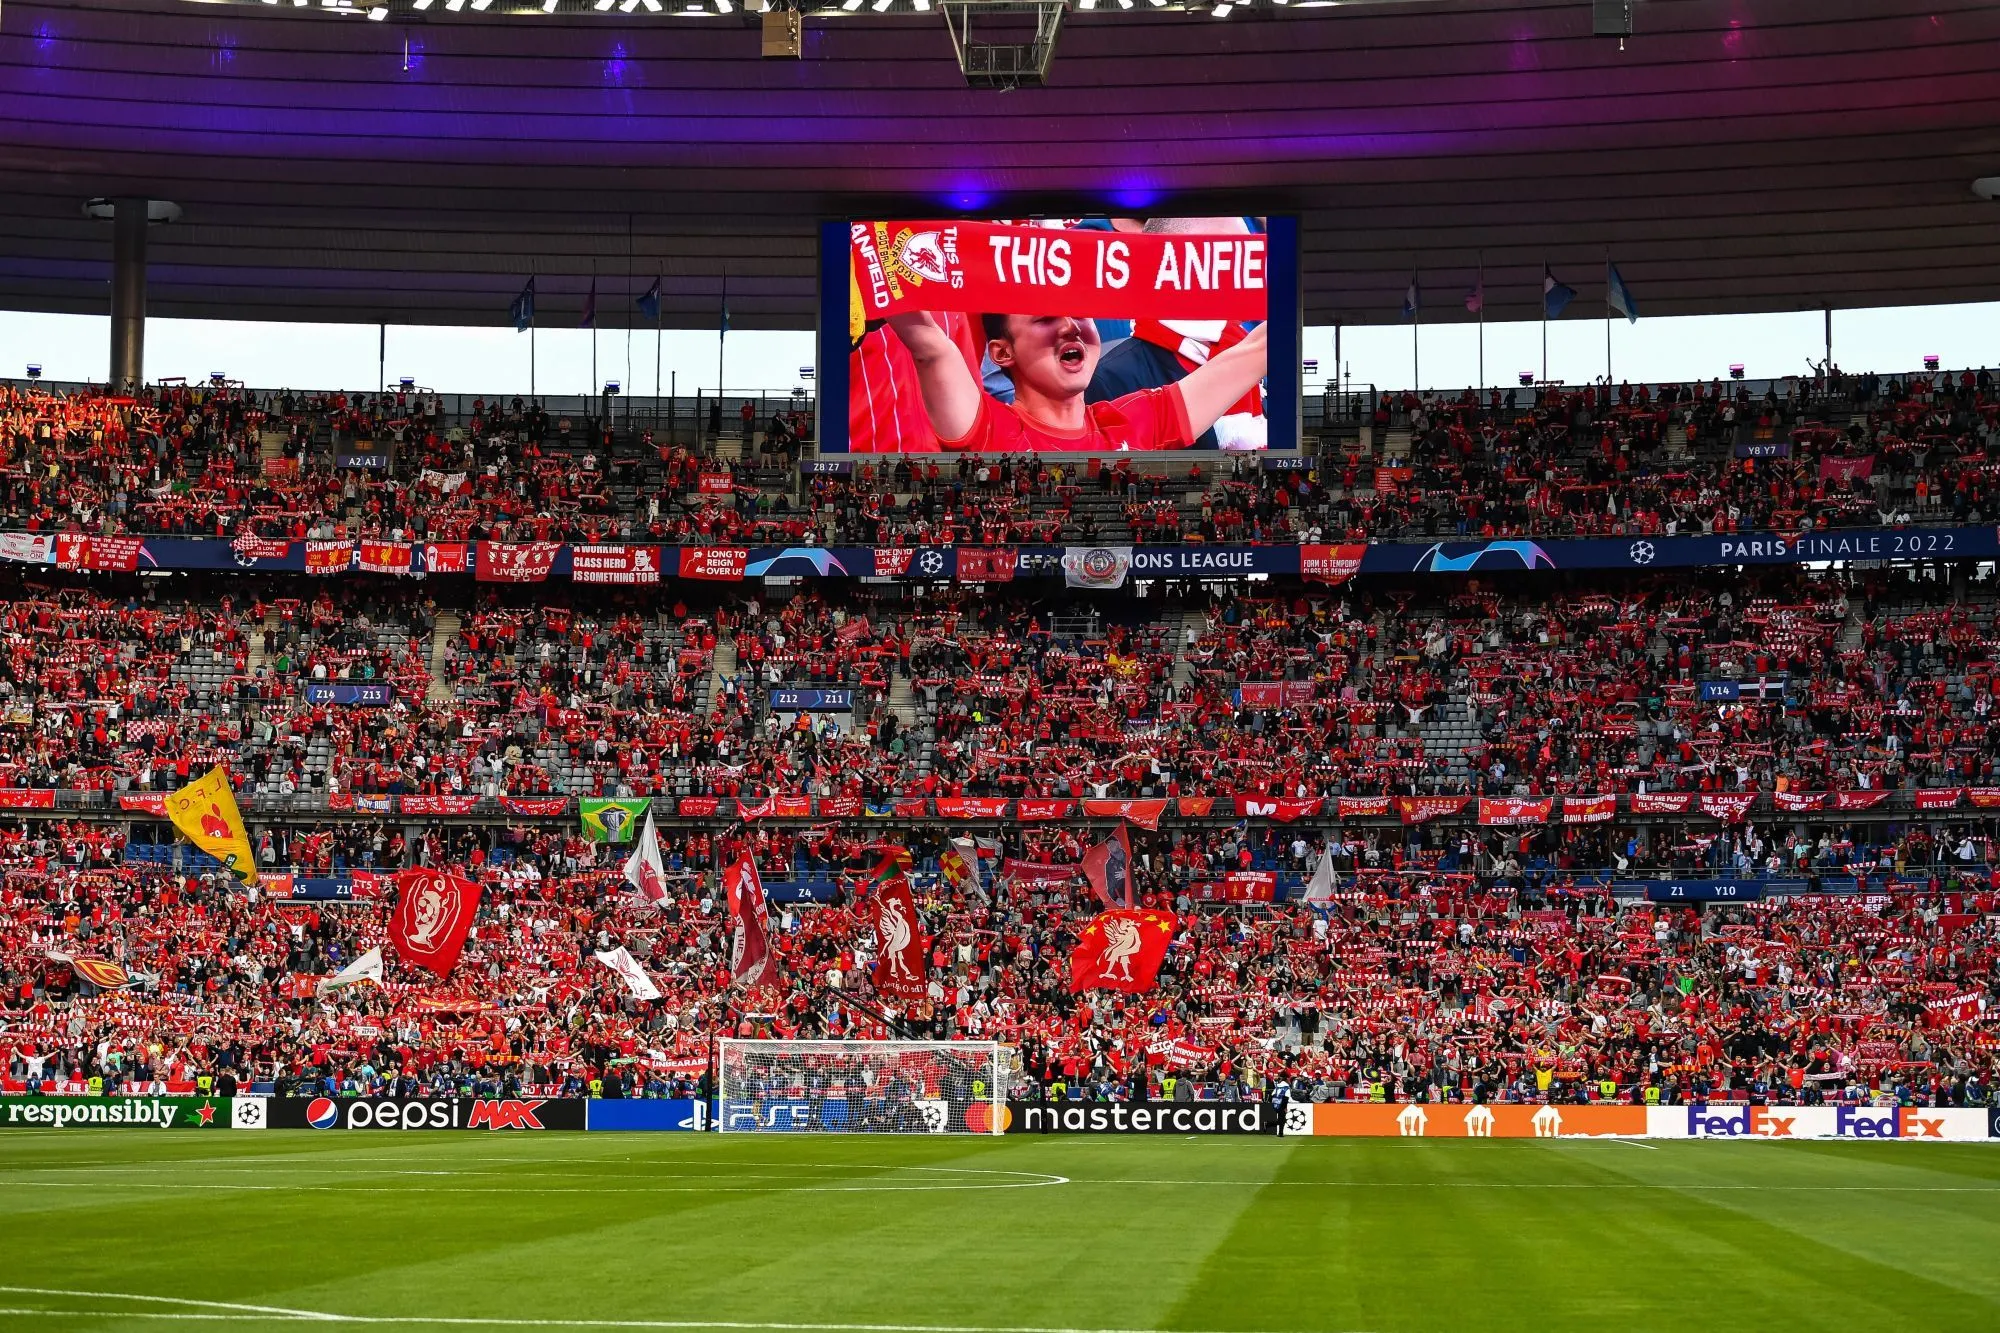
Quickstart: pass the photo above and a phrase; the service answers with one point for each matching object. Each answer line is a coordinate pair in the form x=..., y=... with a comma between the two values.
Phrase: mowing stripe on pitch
x=211, y=1311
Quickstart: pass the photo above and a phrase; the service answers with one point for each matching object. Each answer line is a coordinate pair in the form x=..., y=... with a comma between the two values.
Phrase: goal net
x=861, y=1087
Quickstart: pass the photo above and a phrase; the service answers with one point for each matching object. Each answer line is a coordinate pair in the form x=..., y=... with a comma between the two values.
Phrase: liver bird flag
x=644, y=869
x=901, y=967
x=206, y=811
x=1121, y=950
x=751, y=962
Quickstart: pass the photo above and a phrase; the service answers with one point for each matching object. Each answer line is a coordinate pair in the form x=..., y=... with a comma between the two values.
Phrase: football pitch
x=151, y=1230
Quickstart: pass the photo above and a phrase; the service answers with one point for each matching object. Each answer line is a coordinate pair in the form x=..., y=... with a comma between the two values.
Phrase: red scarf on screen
x=1192, y=352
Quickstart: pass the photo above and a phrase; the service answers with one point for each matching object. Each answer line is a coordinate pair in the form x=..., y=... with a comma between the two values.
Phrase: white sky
x=495, y=360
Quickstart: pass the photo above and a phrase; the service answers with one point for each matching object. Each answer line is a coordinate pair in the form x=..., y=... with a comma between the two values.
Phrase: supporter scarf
x=1193, y=342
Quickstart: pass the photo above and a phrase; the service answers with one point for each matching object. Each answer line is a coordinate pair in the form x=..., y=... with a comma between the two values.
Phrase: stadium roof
x=1732, y=156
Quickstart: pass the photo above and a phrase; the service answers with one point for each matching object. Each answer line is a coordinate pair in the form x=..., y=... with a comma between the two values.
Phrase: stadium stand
x=1259, y=724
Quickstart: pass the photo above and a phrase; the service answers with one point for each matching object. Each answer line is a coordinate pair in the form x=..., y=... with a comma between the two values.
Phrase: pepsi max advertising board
x=480, y=1113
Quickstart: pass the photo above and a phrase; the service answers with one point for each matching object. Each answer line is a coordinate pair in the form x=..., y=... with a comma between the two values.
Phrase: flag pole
x=1545, y=319
x=1416, y=341
x=721, y=341
x=1482, y=321
x=656, y=360
x=1607, y=319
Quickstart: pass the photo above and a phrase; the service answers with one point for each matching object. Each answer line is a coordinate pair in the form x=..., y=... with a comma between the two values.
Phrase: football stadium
x=925, y=666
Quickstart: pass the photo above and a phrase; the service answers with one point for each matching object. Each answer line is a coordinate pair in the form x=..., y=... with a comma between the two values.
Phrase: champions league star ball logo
x=435, y=907
x=931, y=562
x=1642, y=553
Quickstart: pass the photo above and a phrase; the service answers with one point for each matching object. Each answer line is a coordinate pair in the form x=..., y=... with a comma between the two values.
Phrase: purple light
x=614, y=68
x=1137, y=194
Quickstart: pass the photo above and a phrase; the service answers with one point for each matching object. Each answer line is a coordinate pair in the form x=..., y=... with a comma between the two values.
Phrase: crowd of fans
x=1591, y=461
x=1414, y=983
x=1453, y=961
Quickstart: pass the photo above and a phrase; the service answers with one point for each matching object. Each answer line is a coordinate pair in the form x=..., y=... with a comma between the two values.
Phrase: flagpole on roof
x=1607, y=317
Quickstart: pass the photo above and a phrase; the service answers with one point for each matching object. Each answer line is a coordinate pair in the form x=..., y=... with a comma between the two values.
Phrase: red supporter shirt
x=1148, y=419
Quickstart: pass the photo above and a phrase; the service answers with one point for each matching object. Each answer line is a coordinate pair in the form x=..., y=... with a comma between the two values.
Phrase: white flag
x=960, y=865
x=644, y=869
x=1319, y=889
x=368, y=967
x=621, y=961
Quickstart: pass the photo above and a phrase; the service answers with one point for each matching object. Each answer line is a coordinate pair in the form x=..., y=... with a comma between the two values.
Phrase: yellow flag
x=206, y=811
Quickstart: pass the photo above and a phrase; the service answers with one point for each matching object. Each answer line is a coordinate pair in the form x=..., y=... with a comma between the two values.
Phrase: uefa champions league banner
x=1104, y=567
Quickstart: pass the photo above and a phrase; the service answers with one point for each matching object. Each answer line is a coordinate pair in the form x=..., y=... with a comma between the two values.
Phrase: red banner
x=119, y=555
x=986, y=564
x=1514, y=811
x=1986, y=798
x=1195, y=807
x=329, y=557
x=145, y=803
x=1331, y=564
x=1362, y=807
x=446, y=557
x=697, y=807
x=1938, y=798
x=1860, y=800
x=1951, y=1010
x=1032, y=809
x=1729, y=807
x=911, y=807
x=990, y=268
x=1589, y=809
x=27, y=798
x=1282, y=809
x=1275, y=693
x=386, y=557
x=839, y=807
x=614, y=564
x=717, y=483
x=1121, y=950
x=434, y=910
x=1798, y=802
x=902, y=971
x=1421, y=809
x=1662, y=802
x=971, y=807
x=540, y=806
x=1036, y=876
x=448, y=804
x=1238, y=886
x=516, y=562
x=1146, y=814
x=724, y=563
x=893, y=561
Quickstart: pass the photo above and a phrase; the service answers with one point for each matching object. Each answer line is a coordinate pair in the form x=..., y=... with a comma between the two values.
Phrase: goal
x=861, y=1087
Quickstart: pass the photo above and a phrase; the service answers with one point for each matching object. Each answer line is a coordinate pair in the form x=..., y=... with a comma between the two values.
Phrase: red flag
x=1121, y=950
x=900, y=972
x=1108, y=867
x=751, y=962
x=434, y=910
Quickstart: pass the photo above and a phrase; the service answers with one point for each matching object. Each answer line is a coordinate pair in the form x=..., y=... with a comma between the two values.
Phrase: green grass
x=1017, y=1233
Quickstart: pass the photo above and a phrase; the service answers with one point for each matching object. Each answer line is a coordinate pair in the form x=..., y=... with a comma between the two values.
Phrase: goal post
x=861, y=1087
